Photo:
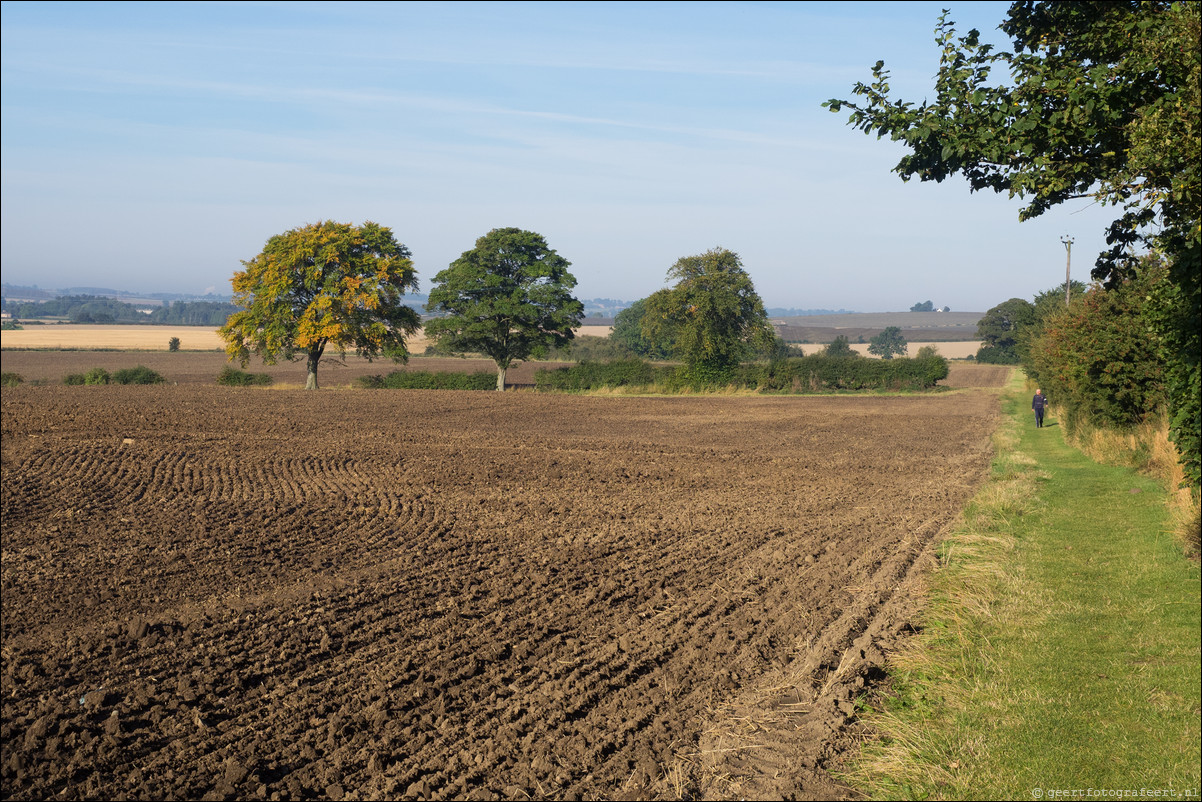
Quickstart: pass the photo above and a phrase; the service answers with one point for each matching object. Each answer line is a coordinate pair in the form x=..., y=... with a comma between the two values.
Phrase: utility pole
x=1068, y=267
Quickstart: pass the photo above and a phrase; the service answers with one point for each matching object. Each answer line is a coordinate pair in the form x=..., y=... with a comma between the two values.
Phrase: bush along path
x=1060, y=651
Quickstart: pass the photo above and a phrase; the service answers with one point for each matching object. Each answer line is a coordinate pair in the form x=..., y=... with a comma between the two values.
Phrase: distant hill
x=777, y=311
x=17, y=292
x=903, y=320
x=863, y=326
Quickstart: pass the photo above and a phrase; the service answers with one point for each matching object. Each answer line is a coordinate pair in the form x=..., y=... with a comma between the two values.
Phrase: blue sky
x=152, y=147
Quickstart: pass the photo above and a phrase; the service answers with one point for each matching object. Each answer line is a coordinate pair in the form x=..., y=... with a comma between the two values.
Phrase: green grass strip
x=1061, y=651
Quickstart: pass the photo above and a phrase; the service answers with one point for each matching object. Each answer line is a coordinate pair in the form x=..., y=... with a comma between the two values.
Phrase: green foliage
x=1101, y=101
x=99, y=376
x=820, y=373
x=925, y=306
x=193, y=313
x=428, y=380
x=95, y=309
x=508, y=298
x=888, y=344
x=9, y=378
x=1098, y=359
x=230, y=376
x=588, y=347
x=811, y=374
x=628, y=333
x=839, y=348
x=323, y=285
x=173, y=344
x=773, y=349
x=1001, y=330
x=1174, y=318
x=137, y=375
x=1045, y=304
x=713, y=315
x=79, y=309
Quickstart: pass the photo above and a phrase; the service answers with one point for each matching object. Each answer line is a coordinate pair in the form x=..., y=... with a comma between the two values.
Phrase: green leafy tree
x=713, y=315
x=628, y=333
x=888, y=344
x=925, y=306
x=1099, y=100
x=1001, y=330
x=324, y=285
x=1045, y=304
x=1095, y=358
x=839, y=348
x=508, y=298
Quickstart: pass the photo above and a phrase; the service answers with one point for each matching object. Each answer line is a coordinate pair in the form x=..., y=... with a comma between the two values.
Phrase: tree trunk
x=314, y=358
x=501, y=378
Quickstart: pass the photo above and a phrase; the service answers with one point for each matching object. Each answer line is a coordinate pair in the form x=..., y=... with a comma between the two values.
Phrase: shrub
x=10, y=379
x=232, y=377
x=96, y=376
x=429, y=380
x=139, y=375
x=596, y=375
x=74, y=379
x=173, y=344
x=814, y=373
x=1097, y=360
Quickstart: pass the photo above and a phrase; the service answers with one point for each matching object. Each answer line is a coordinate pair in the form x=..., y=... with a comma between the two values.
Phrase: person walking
x=1038, y=403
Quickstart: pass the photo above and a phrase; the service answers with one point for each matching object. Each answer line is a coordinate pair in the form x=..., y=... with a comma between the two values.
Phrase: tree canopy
x=888, y=344
x=1095, y=357
x=1001, y=331
x=628, y=333
x=323, y=285
x=1099, y=100
x=508, y=298
x=839, y=348
x=713, y=314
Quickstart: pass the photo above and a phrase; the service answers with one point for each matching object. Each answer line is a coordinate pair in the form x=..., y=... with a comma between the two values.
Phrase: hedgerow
x=429, y=380
x=138, y=375
x=232, y=377
x=810, y=374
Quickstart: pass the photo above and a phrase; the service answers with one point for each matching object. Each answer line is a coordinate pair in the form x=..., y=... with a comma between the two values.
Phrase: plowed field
x=220, y=593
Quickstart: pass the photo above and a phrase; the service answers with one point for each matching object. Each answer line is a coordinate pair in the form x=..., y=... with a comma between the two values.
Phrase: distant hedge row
x=429, y=380
x=810, y=374
x=819, y=373
x=96, y=376
x=232, y=377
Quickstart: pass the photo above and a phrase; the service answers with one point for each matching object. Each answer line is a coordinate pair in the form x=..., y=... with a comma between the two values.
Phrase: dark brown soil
x=203, y=367
x=226, y=593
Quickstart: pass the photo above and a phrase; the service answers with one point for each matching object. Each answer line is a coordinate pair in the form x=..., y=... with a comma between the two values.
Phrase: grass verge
x=1061, y=647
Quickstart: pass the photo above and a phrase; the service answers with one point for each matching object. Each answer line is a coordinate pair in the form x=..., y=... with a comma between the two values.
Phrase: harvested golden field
x=135, y=338
x=93, y=336
x=230, y=593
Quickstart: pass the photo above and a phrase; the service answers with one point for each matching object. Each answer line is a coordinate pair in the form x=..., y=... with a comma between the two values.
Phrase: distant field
x=879, y=320
x=71, y=336
x=131, y=338
x=141, y=338
x=959, y=349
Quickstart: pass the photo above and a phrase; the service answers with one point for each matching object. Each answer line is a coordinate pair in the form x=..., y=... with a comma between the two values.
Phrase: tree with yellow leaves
x=323, y=285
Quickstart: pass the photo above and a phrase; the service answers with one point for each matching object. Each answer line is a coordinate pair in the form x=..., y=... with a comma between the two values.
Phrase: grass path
x=1062, y=648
